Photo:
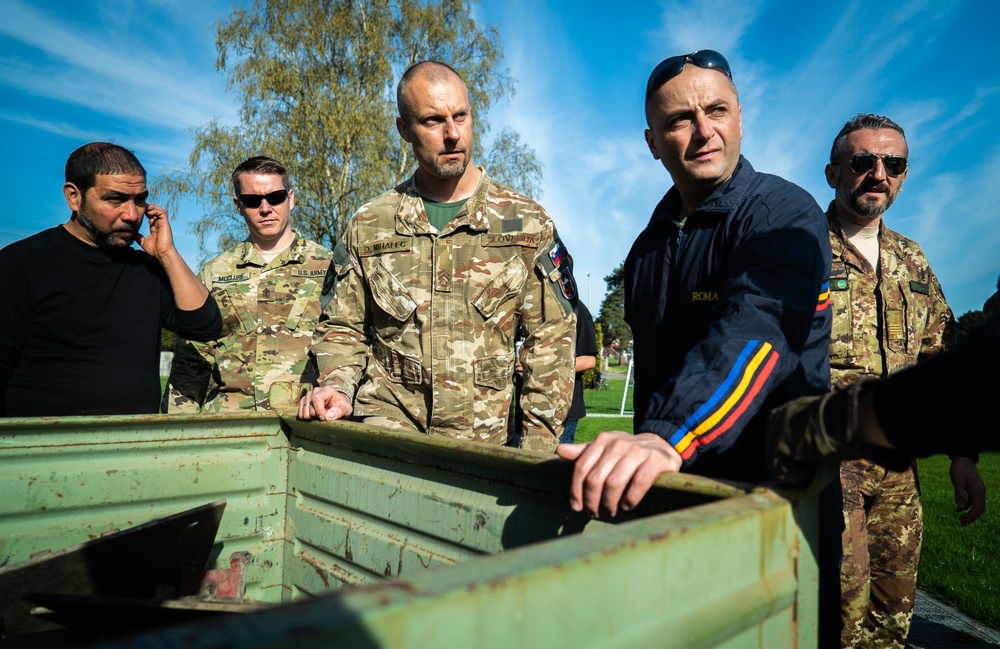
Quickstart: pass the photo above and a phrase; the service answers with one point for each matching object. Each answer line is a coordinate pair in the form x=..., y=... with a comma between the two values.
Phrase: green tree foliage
x=316, y=80
x=612, y=317
x=968, y=321
x=514, y=164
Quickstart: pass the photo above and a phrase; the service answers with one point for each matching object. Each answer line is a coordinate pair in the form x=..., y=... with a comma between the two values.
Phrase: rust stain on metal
x=480, y=521
x=397, y=584
x=666, y=534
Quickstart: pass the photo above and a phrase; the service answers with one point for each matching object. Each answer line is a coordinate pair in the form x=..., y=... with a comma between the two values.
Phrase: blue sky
x=141, y=73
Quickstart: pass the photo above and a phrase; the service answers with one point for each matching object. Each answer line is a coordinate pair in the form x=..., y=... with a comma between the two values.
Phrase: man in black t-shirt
x=82, y=312
x=586, y=358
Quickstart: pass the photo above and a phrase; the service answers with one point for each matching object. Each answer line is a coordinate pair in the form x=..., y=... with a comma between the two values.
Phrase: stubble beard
x=450, y=171
x=106, y=241
x=868, y=209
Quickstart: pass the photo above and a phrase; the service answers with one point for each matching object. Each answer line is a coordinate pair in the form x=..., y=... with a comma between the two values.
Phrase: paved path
x=939, y=626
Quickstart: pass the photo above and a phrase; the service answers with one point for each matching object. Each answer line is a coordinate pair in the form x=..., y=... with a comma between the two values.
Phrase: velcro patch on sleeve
x=557, y=265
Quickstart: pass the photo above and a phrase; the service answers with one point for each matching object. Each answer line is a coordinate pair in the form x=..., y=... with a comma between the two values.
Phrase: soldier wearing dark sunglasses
x=268, y=288
x=888, y=313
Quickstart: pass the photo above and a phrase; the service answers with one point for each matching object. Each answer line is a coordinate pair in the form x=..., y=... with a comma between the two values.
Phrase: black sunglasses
x=671, y=67
x=274, y=198
x=865, y=162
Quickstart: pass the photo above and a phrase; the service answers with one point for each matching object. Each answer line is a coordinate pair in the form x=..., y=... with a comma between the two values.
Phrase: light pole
x=589, y=307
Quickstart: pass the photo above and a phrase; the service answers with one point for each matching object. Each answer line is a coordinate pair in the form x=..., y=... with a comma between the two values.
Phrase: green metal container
x=361, y=537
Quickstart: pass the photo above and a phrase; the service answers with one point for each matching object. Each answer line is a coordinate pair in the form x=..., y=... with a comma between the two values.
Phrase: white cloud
x=689, y=26
x=115, y=73
x=64, y=129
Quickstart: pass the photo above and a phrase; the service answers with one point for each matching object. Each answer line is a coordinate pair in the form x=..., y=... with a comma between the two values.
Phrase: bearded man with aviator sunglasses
x=268, y=288
x=888, y=313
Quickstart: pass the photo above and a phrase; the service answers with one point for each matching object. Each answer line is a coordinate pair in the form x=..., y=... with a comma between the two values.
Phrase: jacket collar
x=411, y=218
x=888, y=240
x=724, y=198
x=295, y=253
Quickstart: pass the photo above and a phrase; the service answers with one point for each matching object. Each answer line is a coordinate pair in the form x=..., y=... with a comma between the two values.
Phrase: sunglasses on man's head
x=671, y=67
x=274, y=198
x=865, y=162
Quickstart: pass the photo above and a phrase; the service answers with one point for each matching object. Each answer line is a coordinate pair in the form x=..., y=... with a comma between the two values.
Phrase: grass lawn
x=960, y=565
x=605, y=402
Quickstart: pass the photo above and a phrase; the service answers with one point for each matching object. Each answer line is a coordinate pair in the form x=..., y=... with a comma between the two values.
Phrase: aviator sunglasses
x=274, y=198
x=671, y=67
x=865, y=162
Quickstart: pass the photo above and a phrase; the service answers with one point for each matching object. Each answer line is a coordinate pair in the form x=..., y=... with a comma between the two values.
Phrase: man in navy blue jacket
x=727, y=294
x=726, y=291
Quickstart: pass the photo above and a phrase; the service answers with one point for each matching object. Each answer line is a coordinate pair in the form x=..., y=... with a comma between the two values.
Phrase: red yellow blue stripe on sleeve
x=723, y=409
x=825, y=300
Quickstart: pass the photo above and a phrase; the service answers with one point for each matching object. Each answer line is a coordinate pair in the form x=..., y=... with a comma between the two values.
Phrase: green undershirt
x=440, y=213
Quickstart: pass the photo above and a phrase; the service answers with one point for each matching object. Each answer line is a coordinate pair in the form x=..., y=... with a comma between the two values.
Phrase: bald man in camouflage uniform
x=889, y=313
x=430, y=282
x=268, y=288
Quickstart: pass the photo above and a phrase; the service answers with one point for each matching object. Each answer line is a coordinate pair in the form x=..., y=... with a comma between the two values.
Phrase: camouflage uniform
x=883, y=321
x=269, y=312
x=420, y=325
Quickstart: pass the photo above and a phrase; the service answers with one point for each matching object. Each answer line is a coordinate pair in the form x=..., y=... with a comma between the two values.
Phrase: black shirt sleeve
x=202, y=324
x=947, y=402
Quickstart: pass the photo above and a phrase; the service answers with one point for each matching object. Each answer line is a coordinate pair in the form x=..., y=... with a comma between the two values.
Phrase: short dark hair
x=433, y=70
x=84, y=164
x=858, y=122
x=262, y=166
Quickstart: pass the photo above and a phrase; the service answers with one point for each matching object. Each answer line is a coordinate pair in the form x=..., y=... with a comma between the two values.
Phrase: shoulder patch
x=340, y=262
x=919, y=287
x=556, y=263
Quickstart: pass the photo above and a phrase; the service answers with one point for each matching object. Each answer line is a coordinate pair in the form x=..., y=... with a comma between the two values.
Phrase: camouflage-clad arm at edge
x=339, y=341
x=549, y=353
x=190, y=370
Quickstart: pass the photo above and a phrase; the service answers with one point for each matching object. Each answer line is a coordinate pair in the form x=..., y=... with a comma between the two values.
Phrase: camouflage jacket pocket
x=906, y=321
x=503, y=286
x=307, y=295
x=390, y=294
x=493, y=371
x=236, y=319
